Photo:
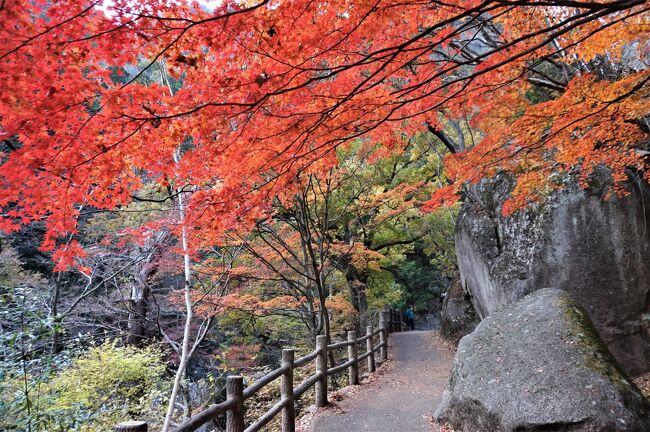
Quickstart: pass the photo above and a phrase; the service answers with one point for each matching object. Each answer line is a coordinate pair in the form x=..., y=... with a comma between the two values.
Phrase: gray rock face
x=457, y=317
x=539, y=365
x=597, y=249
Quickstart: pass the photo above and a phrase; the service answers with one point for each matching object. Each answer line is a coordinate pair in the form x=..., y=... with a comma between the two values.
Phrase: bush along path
x=403, y=398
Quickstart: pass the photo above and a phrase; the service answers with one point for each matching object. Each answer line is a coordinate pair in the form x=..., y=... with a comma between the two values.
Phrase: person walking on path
x=410, y=318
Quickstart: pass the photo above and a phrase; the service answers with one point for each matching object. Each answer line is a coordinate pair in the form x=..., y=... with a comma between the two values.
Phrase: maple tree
x=346, y=235
x=270, y=88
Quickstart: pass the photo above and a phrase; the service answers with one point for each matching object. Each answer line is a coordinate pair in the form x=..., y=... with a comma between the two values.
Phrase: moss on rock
x=584, y=334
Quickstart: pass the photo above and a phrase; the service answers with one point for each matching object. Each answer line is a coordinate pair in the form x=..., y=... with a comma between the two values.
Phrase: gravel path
x=403, y=399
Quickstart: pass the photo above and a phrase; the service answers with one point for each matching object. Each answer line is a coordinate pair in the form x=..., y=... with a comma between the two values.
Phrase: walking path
x=404, y=398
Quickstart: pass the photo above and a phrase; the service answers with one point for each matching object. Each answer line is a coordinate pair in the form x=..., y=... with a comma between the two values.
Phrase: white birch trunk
x=188, y=313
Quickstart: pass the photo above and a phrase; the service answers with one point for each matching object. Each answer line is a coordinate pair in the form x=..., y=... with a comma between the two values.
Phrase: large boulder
x=540, y=366
x=595, y=247
x=457, y=317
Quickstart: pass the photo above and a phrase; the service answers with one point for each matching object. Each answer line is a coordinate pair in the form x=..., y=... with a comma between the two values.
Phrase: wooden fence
x=236, y=394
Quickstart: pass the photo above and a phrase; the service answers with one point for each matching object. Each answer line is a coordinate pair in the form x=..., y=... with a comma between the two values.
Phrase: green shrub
x=97, y=389
x=107, y=384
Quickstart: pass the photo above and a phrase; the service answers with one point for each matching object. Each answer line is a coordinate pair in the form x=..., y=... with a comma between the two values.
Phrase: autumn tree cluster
x=269, y=89
x=350, y=242
x=219, y=176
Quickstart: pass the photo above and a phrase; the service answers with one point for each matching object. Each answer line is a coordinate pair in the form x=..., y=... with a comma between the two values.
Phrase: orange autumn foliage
x=267, y=90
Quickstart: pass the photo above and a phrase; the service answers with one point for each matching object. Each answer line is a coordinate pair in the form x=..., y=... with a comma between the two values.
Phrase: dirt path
x=403, y=398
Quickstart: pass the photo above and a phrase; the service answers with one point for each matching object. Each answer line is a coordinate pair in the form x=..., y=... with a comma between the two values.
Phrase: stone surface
x=458, y=317
x=539, y=365
x=595, y=248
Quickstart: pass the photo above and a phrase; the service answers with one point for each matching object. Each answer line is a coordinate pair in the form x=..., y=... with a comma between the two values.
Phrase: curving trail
x=404, y=398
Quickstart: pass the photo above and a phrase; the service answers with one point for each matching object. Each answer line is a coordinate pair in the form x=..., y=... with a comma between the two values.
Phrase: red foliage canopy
x=269, y=89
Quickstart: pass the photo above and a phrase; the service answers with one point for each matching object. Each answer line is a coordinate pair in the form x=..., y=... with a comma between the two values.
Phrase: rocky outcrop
x=595, y=248
x=457, y=317
x=539, y=365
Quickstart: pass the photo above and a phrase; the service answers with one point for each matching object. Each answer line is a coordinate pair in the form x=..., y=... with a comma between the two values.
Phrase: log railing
x=236, y=394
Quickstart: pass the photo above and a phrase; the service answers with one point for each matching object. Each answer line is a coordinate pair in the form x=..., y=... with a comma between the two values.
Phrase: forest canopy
x=229, y=105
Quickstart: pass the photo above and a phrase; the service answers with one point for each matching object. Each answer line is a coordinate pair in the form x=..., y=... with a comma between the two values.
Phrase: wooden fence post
x=131, y=426
x=383, y=336
x=370, y=348
x=235, y=415
x=353, y=369
x=398, y=320
x=389, y=319
x=286, y=392
x=321, y=369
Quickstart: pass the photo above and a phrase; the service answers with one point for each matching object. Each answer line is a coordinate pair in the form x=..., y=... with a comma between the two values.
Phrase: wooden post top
x=288, y=355
x=234, y=386
x=131, y=426
x=234, y=381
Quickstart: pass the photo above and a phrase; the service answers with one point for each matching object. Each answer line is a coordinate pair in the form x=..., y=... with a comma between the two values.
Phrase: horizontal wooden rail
x=267, y=417
x=211, y=413
x=264, y=381
x=364, y=338
x=306, y=359
x=339, y=368
x=306, y=385
x=337, y=345
x=364, y=356
x=236, y=395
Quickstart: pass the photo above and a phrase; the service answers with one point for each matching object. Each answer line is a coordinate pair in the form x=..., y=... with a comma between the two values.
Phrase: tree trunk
x=55, y=343
x=137, y=314
x=363, y=308
x=139, y=301
x=357, y=289
x=185, y=350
